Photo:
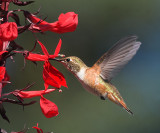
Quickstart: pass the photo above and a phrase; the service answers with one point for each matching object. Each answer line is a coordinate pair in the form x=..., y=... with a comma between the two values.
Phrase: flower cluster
x=9, y=31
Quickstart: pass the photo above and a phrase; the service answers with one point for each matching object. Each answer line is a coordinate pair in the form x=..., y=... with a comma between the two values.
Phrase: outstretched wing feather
x=119, y=55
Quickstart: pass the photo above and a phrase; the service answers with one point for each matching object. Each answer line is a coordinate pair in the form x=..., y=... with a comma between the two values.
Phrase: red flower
x=30, y=94
x=39, y=130
x=52, y=76
x=66, y=23
x=8, y=31
x=38, y=57
x=49, y=109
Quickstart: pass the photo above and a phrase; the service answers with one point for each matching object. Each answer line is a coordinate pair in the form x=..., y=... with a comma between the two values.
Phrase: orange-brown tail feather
x=122, y=103
x=119, y=102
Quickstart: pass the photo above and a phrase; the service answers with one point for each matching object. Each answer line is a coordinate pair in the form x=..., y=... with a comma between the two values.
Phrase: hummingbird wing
x=113, y=60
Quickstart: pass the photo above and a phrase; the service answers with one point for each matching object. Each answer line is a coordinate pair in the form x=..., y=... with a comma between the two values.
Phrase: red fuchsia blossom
x=39, y=130
x=49, y=109
x=66, y=23
x=8, y=31
x=30, y=94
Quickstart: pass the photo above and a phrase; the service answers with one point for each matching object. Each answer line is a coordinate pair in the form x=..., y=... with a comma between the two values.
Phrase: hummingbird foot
x=102, y=98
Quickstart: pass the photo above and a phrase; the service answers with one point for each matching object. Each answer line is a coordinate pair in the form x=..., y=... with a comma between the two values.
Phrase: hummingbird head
x=72, y=63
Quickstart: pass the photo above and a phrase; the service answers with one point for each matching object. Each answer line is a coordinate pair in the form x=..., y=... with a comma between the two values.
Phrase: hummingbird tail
x=120, y=102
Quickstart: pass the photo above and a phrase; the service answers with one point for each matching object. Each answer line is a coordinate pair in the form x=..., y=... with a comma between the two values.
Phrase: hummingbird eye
x=68, y=60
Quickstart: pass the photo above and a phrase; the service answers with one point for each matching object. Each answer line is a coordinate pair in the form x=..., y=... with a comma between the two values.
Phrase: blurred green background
x=101, y=24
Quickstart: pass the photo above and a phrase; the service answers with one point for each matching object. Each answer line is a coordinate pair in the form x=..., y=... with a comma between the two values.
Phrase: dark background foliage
x=101, y=24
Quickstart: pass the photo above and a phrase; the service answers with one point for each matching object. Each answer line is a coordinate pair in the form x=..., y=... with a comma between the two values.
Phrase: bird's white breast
x=81, y=73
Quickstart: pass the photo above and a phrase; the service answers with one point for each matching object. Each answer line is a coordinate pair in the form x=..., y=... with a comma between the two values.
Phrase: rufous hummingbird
x=97, y=79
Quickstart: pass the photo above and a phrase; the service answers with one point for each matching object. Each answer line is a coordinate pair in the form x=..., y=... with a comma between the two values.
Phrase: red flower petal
x=49, y=109
x=39, y=130
x=58, y=48
x=36, y=57
x=2, y=73
x=8, y=31
x=48, y=77
x=43, y=49
x=66, y=23
x=68, y=19
x=30, y=94
x=52, y=76
x=2, y=52
x=45, y=84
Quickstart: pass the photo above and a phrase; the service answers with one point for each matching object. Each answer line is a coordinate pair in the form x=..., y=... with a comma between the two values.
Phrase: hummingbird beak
x=59, y=60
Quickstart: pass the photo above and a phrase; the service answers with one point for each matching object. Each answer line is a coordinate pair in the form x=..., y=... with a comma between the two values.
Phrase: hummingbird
x=97, y=79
